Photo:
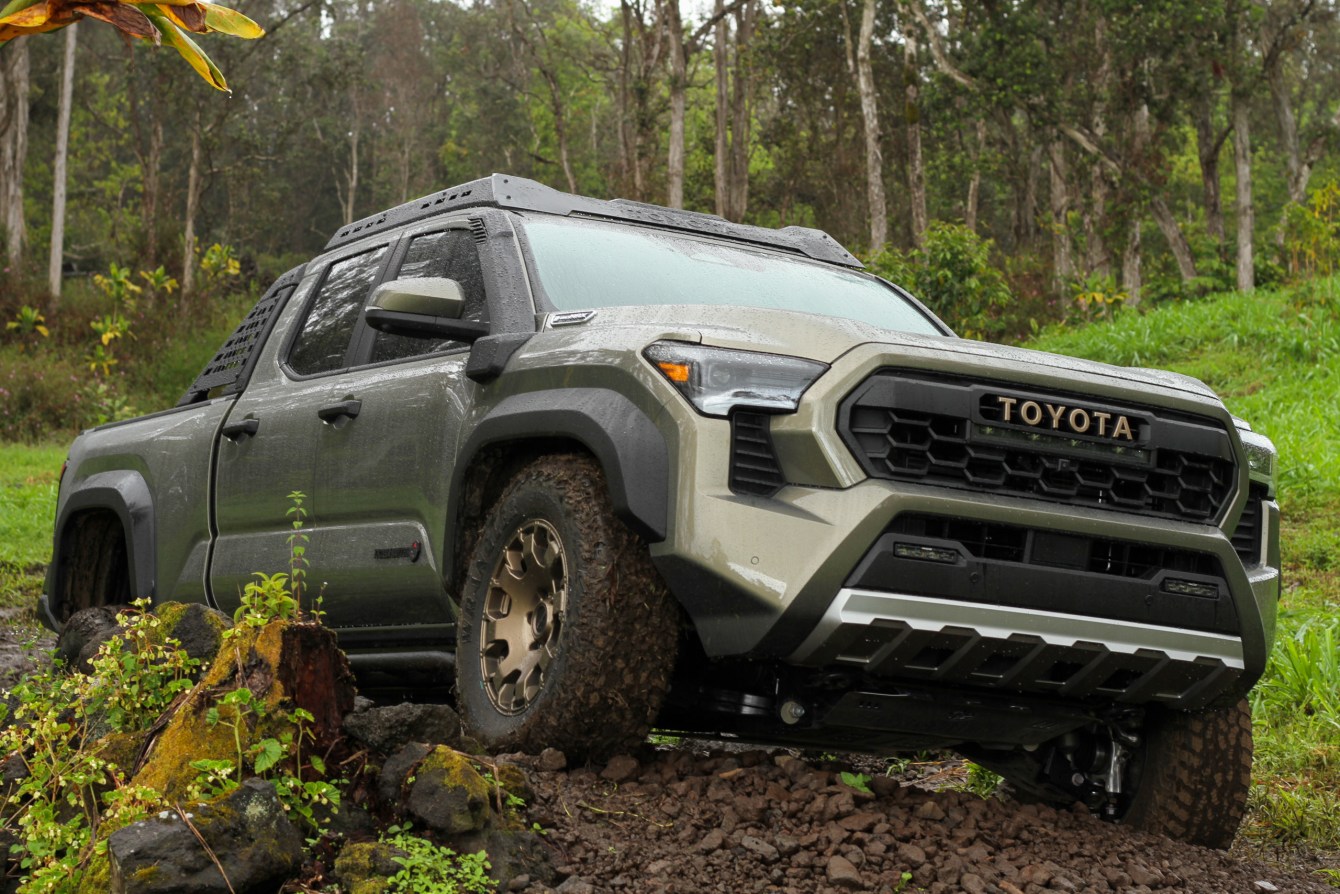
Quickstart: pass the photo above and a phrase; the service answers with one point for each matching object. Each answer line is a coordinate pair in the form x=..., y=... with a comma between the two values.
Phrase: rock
x=1265, y=887
x=766, y=852
x=842, y=873
x=972, y=883
x=258, y=848
x=931, y=810
x=712, y=841
x=552, y=760
x=621, y=768
x=196, y=626
x=387, y=730
x=911, y=855
x=448, y=794
x=363, y=867
x=512, y=855
x=575, y=885
x=397, y=768
x=81, y=636
x=861, y=822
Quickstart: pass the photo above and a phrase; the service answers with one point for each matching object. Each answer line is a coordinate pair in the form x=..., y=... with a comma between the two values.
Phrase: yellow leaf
x=202, y=64
x=188, y=17
x=44, y=330
x=18, y=5
x=230, y=21
x=33, y=16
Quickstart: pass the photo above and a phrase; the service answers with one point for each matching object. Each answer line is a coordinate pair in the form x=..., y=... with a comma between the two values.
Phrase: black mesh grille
x=1097, y=555
x=231, y=365
x=753, y=463
x=1247, y=535
x=1173, y=468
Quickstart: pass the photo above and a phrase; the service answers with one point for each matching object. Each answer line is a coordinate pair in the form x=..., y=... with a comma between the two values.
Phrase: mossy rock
x=197, y=627
x=365, y=867
x=449, y=795
x=286, y=665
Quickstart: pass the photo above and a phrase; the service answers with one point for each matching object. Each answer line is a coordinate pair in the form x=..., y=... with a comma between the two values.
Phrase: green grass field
x=28, y=479
x=1274, y=356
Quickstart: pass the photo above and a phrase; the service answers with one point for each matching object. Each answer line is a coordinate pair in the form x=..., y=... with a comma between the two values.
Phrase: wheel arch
x=628, y=446
x=120, y=498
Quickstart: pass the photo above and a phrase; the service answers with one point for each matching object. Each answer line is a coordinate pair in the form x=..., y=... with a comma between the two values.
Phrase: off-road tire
x=1194, y=774
x=618, y=632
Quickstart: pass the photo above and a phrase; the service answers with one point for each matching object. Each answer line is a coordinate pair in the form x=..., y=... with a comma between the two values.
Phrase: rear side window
x=451, y=254
x=324, y=340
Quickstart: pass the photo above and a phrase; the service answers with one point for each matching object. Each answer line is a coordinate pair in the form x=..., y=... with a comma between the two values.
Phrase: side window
x=324, y=340
x=450, y=254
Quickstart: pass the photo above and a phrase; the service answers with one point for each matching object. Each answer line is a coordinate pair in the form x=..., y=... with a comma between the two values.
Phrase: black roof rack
x=518, y=193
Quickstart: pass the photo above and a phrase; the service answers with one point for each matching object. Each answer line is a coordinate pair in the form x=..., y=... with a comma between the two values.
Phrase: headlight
x=716, y=380
x=1260, y=456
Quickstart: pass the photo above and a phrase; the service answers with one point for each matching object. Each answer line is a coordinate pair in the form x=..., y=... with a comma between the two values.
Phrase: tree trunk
x=193, y=181
x=875, y=201
x=1063, y=265
x=1242, y=164
x=1181, y=249
x=1207, y=148
x=58, y=167
x=720, y=48
x=735, y=94
x=1296, y=171
x=916, y=168
x=13, y=146
x=975, y=182
x=1131, y=279
x=674, y=174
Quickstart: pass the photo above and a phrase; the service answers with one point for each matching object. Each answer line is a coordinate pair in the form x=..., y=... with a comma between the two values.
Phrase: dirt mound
x=755, y=821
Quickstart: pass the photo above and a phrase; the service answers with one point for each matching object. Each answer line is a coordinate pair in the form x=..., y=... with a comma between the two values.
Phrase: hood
x=826, y=338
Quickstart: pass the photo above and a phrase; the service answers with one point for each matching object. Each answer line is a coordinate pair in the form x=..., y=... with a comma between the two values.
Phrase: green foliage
x=428, y=868
x=44, y=395
x=56, y=730
x=858, y=781
x=981, y=781
x=954, y=275
x=266, y=599
x=28, y=322
x=1312, y=233
x=1096, y=298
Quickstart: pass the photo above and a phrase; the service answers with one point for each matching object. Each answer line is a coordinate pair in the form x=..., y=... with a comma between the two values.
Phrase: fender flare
x=125, y=494
x=629, y=447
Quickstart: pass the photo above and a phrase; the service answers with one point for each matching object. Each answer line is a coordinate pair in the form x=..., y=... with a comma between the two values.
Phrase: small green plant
x=858, y=781
x=28, y=322
x=981, y=781
x=118, y=286
x=1096, y=298
x=428, y=868
x=297, y=545
x=219, y=261
x=159, y=281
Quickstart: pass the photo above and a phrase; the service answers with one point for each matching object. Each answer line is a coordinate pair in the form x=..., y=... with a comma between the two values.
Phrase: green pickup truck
x=606, y=466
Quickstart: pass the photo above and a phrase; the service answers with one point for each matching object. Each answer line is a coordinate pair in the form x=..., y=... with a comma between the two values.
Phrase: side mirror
x=429, y=307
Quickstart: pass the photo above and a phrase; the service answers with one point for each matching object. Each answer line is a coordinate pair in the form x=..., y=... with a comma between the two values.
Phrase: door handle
x=345, y=408
x=235, y=431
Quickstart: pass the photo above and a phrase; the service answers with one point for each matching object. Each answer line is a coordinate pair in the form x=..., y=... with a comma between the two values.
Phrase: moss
x=97, y=876
x=364, y=867
x=188, y=736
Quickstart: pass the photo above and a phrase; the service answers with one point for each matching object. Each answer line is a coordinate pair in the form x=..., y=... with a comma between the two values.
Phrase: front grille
x=1247, y=535
x=944, y=431
x=754, y=468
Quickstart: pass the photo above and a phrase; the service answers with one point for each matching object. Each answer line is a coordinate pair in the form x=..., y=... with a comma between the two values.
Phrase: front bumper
x=780, y=578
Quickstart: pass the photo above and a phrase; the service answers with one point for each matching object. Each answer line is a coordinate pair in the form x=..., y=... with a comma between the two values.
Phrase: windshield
x=586, y=264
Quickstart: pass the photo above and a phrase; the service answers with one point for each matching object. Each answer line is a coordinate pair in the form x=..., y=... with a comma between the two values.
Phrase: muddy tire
x=567, y=634
x=1194, y=774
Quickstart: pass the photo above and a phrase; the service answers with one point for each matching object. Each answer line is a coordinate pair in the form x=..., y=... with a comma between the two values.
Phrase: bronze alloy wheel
x=522, y=622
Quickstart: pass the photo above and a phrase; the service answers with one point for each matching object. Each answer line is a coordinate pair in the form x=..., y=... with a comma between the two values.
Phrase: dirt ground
x=698, y=818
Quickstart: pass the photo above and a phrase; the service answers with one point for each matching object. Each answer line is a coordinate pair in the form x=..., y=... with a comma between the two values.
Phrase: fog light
x=1191, y=588
x=925, y=553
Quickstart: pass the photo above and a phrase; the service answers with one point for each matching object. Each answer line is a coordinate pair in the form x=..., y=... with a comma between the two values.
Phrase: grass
x=28, y=480
x=1274, y=356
